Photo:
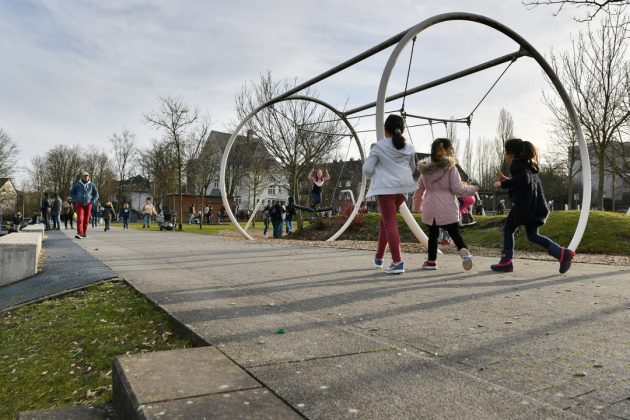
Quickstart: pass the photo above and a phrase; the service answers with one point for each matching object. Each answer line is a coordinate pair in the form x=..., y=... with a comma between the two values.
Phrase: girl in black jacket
x=529, y=206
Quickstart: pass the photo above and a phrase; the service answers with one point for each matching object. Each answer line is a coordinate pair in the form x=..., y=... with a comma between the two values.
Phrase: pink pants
x=388, y=232
x=465, y=203
x=83, y=216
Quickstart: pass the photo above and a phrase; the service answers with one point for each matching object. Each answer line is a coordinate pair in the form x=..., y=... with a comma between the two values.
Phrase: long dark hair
x=437, y=145
x=524, y=150
x=395, y=125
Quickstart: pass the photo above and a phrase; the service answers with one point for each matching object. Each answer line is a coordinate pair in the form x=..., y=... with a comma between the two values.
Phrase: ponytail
x=395, y=125
x=523, y=150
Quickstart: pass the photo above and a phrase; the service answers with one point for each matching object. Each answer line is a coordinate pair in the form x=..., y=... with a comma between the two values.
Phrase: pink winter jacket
x=439, y=186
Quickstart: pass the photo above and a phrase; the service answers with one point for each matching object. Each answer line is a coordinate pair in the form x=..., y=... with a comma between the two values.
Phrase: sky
x=76, y=72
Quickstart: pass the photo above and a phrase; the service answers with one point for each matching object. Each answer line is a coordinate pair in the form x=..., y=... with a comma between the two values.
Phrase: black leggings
x=434, y=233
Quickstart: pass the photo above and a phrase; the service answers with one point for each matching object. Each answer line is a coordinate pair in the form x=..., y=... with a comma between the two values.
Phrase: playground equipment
x=400, y=41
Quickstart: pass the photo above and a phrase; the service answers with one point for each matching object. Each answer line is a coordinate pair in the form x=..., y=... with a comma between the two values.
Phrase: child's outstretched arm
x=418, y=196
x=519, y=176
x=458, y=187
x=326, y=176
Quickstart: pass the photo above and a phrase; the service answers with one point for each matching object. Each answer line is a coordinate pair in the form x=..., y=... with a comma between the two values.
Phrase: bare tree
x=175, y=118
x=158, y=165
x=297, y=134
x=505, y=131
x=596, y=74
x=592, y=7
x=61, y=167
x=8, y=155
x=124, y=149
x=102, y=172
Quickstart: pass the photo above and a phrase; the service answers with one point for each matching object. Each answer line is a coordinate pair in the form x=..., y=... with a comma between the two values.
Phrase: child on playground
x=529, y=206
x=125, y=212
x=439, y=186
x=318, y=178
x=390, y=167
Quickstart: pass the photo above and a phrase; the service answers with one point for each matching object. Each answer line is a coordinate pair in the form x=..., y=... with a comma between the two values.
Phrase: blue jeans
x=289, y=225
x=532, y=235
x=266, y=222
x=125, y=223
x=147, y=220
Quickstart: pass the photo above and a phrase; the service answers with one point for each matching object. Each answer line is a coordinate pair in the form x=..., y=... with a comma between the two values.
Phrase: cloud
x=78, y=71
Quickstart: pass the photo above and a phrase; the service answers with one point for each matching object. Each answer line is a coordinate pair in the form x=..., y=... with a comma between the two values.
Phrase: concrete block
x=38, y=228
x=183, y=380
x=19, y=256
x=88, y=412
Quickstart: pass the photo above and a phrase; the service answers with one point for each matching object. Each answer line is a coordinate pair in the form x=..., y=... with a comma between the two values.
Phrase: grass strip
x=59, y=353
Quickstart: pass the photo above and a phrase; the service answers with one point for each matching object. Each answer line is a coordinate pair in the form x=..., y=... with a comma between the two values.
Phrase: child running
x=438, y=187
x=529, y=206
x=390, y=167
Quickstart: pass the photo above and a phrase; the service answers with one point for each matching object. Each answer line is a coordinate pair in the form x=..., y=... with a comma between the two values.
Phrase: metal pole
x=458, y=75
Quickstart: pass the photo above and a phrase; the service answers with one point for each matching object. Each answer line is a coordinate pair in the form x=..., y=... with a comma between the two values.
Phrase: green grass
x=213, y=229
x=59, y=353
x=606, y=232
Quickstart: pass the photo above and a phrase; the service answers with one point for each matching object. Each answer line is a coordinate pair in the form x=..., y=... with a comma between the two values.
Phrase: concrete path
x=65, y=266
x=359, y=343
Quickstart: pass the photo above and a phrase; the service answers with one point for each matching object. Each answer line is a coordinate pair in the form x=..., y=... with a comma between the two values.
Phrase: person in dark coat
x=289, y=215
x=275, y=214
x=529, y=206
x=108, y=214
x=45, y=208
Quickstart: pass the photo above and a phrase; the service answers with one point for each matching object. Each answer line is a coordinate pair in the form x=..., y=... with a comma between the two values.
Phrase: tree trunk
x=600, y=182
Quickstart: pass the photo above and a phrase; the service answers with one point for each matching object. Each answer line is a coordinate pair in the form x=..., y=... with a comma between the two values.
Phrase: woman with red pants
x=84, y=194
x=390, y=167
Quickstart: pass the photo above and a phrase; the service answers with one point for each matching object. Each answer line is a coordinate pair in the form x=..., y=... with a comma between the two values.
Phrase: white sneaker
x=467, y=261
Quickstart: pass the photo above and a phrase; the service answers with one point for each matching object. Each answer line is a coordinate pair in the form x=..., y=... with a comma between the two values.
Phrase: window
x=216, y=183
x=272, y=190
x=348, y=183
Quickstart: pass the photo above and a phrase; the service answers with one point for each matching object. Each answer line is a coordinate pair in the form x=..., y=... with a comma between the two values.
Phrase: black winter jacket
x=529, y=206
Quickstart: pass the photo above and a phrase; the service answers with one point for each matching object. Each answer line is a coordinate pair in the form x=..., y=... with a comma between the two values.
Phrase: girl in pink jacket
x=436, y=196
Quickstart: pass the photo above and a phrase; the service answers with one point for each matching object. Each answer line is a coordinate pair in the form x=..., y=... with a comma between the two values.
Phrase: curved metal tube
x=414, y=31
x=230, y=143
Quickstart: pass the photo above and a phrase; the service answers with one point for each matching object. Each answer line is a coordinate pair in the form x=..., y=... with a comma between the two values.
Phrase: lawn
x=59, y=353
x=606, y=232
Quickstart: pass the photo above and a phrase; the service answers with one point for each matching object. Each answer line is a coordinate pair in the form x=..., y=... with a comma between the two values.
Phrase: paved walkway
x=359, y=343
x=65, y=267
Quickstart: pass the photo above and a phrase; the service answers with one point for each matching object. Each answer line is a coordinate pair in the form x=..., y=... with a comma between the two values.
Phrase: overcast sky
x=75, y=72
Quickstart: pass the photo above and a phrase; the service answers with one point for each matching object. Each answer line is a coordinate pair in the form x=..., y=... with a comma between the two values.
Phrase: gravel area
x=623, y=260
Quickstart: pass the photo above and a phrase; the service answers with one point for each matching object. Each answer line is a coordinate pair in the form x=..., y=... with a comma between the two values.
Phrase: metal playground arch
x=400, y=41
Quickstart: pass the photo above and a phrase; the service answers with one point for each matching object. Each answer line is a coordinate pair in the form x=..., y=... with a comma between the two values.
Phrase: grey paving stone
x=250, y=404
x=89, y=412
x=393, y=385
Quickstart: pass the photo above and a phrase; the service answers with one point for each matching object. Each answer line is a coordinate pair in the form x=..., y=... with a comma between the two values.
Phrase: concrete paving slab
x=19, y=256
x=250, y=404
x=394, y=385
x=89, y=412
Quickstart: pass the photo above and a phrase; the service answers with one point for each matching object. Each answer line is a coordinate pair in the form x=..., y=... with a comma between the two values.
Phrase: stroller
x=169, y=221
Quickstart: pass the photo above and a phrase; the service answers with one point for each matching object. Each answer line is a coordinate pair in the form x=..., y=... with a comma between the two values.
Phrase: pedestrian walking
x=125, y=212
x=290, y=214
x=84, y=196
x=275, y=214
x=67, y=211
x=55, y=211
x=148, y=211
x=45, y=208
x=108, y=214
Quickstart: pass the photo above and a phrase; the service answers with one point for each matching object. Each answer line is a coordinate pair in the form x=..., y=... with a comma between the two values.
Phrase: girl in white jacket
x=390, y=167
